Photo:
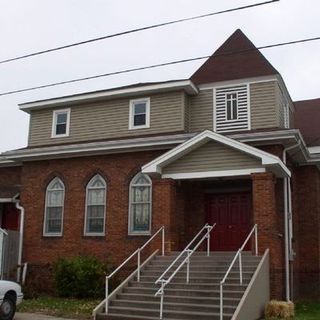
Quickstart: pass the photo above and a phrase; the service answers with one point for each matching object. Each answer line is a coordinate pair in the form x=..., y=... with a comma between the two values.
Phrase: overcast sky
x=28, y=26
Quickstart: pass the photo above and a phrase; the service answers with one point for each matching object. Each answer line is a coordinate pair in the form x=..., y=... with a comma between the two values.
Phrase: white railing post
x=139, y=261
x=188, y=265
x=107, y=295
x=221, y=301
x=208, y=243
x=162, y=241
x=256, y=238
x=240, y=266
x=161, y=298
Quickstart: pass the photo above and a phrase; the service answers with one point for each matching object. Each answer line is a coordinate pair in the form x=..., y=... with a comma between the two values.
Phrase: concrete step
x=169, y=306
x=197, y=279
x=222, y=268
x=178, y=299
x=204, y=263
x=167, y=313
x=188, y=286
x=186, y=292
x=198, y=273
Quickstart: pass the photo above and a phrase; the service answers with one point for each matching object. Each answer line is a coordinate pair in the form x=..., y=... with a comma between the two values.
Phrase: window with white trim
x=60, y=123
x=140, y=204
x=53, y=217
x=139, y=114
x=95, y=206
x=232, y=108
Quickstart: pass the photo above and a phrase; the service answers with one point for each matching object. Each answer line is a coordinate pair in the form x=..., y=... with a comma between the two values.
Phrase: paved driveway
x=35, y=316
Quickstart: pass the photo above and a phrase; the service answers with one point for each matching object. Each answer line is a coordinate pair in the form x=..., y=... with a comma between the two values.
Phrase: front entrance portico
x=220, y=180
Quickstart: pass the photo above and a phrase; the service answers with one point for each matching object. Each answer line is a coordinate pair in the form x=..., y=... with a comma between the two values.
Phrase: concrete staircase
x=197, y=300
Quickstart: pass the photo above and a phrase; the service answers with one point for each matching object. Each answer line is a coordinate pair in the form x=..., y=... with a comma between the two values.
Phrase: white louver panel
x=232, y=108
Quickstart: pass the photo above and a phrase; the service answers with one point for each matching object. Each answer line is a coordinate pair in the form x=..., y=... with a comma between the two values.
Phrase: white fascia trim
x=314, y=150
x=6, y=200
x=186, y=85
x=93, y=147
x=156, y=165
x=213, y=174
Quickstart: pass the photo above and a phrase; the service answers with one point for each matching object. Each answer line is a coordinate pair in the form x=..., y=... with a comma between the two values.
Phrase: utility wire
x=157, y=66
x=134, y=31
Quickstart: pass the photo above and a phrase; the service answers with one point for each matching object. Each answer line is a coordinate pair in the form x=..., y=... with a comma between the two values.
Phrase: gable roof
x=226, y=64
x=307, y=116
x=267, y=160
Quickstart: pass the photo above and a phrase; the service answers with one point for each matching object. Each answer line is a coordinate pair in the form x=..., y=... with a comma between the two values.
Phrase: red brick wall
x=307, y=229
x=268, y=218
x=75, y=173
x=9, y=181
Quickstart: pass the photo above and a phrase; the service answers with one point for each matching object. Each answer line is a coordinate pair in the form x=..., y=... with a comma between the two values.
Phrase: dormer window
x=139, y=114
x=232, y=110
x=60, y=123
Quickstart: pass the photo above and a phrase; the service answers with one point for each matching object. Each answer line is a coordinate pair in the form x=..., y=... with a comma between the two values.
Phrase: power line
x=29, y=55
x=157, y=66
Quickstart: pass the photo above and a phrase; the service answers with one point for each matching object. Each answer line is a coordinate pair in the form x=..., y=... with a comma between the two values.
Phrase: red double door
x=232, y=214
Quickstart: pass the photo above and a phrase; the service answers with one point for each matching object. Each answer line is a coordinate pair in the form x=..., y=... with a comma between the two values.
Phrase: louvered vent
x=232, y=108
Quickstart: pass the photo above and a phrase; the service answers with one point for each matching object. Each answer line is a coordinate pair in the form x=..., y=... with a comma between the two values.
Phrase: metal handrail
x=3, y=231
x=189, y=252
x=238, y=255
x=138, y=253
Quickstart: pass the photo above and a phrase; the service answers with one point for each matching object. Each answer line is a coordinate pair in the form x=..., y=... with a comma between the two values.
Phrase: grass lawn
x=70, y=308
x=307, y=311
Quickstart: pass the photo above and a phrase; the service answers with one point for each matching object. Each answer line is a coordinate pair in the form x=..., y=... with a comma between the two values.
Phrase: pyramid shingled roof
x=237, y=58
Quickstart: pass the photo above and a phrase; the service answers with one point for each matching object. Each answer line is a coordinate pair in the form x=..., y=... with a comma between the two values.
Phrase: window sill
x=60, y=136
x=139, y=127
x=94, y=235
x=139, y=234
x=53, y=235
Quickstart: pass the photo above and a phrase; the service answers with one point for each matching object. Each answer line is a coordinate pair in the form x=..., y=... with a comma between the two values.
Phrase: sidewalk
x=35, y=316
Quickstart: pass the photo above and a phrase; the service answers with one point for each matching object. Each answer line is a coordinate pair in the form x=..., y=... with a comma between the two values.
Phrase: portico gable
x=212, y=155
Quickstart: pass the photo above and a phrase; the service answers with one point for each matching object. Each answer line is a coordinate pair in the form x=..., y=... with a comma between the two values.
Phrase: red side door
x=231, y=212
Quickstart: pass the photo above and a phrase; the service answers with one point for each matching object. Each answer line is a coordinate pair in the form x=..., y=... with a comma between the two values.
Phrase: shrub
x=80, y=277
x=276, y=310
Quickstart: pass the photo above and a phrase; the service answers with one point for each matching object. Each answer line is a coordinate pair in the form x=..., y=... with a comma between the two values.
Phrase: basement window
x=60, y=123
x=139, y=114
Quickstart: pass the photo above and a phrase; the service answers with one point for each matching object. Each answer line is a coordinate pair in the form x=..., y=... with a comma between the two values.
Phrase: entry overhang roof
x=268, y=161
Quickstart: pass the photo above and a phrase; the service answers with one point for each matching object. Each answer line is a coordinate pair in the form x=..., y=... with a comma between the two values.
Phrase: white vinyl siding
x=53, y=216
x=95, y=207
x=140, y=204
x=231, y=107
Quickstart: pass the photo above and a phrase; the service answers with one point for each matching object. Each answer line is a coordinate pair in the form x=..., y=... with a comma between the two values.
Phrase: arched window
x=53, y=216
x=140, y=199
x=95, y=207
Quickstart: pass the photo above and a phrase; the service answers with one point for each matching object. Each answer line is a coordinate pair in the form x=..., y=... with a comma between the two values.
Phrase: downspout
x=21, y=209
x=287, y=210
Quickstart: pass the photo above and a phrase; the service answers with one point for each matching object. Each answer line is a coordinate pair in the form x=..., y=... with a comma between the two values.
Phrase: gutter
x=287, y=217
x=21, y=209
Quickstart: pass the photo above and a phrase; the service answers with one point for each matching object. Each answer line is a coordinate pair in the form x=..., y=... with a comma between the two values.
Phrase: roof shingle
x=237, y=58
